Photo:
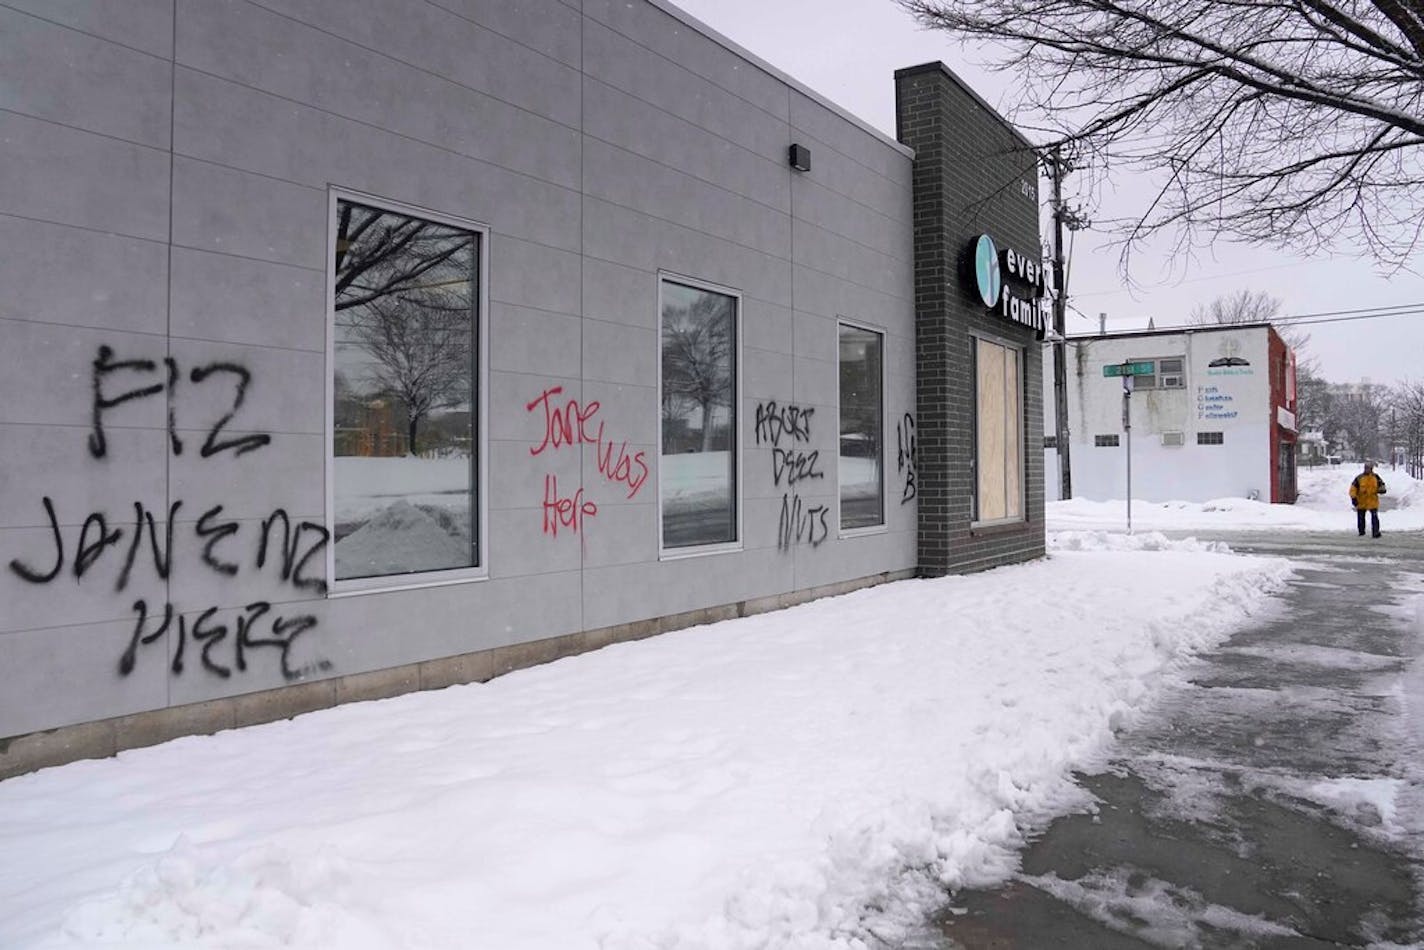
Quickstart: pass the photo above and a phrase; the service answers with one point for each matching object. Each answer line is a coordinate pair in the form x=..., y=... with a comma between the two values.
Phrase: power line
x=1303, y=319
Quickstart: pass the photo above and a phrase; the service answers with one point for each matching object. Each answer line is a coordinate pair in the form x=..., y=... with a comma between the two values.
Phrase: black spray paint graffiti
x=792, y=464
x=290, y=548
x=105, y=364
x=907, y=460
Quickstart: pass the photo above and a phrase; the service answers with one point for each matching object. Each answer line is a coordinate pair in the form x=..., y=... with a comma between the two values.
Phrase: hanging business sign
x=1010, y=284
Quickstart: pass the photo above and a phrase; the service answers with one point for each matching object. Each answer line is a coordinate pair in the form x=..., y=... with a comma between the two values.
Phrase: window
x=1166, y=373
x=860, y=465
x=697, y=476
x=1211, y=438
x=404, y=445
x=1174, y=438
x=1105, y=441
x=1050, y=442
x=998, y=431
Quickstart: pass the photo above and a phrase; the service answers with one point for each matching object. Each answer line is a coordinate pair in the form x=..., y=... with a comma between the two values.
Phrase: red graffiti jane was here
x=569, y=512
x=570, y=423
x=566, y=426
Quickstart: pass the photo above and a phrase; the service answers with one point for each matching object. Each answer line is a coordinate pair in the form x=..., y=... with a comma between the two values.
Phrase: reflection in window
x=998, y=432
x=698, y=471
x=862, y=420
x=403, y=394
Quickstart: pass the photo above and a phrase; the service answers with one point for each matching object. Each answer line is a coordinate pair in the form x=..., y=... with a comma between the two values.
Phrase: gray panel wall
x=164, y=195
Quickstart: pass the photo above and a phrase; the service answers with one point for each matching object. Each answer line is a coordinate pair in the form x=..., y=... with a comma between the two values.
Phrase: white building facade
x=1212, y=416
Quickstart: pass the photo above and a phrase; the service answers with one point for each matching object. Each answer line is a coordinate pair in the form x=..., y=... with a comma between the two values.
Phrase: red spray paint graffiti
x=567, y=422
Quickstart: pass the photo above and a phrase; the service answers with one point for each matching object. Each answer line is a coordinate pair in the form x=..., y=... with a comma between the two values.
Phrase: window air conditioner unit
x=1174, y=438
x=1172, y=382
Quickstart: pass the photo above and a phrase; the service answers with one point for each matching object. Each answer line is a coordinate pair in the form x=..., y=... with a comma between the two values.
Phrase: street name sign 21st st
x=1144, y=368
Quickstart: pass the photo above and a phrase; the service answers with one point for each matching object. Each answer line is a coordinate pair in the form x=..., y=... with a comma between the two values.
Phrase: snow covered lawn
x=804, y=778
x=1323, y=505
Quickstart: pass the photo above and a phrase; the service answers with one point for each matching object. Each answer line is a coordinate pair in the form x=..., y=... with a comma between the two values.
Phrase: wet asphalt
x=1244, y=810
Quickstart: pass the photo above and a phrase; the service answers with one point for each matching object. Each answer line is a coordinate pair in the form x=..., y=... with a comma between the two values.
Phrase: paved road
x=1274, y=802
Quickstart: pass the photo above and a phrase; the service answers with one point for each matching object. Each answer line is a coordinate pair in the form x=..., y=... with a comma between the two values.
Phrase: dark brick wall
x=971, y=172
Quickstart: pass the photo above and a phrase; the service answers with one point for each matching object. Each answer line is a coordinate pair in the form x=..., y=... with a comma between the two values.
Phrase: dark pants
x=1374, y=521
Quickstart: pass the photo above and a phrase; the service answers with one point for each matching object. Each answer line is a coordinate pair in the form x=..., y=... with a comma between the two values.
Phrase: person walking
x=1364, y=496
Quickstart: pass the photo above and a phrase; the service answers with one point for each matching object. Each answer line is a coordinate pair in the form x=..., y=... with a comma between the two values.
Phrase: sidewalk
x=806, y=778
x=1273, y=802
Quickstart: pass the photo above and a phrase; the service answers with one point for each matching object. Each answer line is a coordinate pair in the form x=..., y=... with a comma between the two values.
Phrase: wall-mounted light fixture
x=801, y=158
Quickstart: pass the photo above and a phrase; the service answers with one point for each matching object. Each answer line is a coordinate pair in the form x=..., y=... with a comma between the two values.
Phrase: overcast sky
x=847, y=50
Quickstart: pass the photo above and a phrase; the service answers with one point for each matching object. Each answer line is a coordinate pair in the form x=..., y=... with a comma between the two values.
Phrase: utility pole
x=1127, y=384
x=1062, y=217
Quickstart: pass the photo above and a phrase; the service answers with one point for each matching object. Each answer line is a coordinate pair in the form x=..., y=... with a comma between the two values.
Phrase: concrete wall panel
x=524, y=340
x=71, y=675
x=613, y=58
x=68, y=176
x=122, y=284
x=316, y=148
x=235, y=212
x=56, y=73
x=664, y=35
x=145, y=25
x=621, y=177
x=226, y=299
x=848, y=139
x=619, y=294
x=460, y=46
x=241, y=42
x=615, y=233
x=630, y=123
x=550, y=26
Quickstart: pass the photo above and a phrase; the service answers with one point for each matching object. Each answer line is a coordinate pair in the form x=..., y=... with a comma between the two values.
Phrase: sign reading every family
x=1019, y=298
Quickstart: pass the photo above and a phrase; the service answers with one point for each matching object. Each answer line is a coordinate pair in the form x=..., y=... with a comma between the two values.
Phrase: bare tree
x=1255, y=306
x=1314, y=402
x=380, y=253
x=1292, y=121
x=1408, y=404
x=1356, y=416
x=1243, y=306
x=404, y=298
x=419, y=354
x=697, y=361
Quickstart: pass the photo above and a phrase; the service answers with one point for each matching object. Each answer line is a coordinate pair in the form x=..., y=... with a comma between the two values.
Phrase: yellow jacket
x=1365, y=491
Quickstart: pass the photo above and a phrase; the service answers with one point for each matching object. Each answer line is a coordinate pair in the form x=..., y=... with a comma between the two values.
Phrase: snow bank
x=401, y=538
x=367, y=485
x=1112, y=541
x=1323, y=505
x=800, y=779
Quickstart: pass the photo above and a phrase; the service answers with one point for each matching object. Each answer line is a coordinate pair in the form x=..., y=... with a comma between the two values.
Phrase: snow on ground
x=799, y=779
x=1157, y=912
x=1323, y=505
x=368, y=485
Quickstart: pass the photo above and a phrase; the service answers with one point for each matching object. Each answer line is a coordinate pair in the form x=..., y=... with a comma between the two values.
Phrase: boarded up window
x=999, y=432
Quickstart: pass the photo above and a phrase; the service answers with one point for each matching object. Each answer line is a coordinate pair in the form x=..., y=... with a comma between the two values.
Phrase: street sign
x=1145, y=368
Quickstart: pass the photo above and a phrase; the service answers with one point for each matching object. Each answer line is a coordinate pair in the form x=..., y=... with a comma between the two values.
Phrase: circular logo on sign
x=986, y=271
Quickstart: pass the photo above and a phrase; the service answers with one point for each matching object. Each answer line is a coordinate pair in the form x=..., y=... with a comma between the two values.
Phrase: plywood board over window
x=998, y=379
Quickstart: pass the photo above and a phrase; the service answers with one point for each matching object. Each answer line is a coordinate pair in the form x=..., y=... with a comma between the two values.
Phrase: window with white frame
x=697, y=472
x=404, y=440
x=860, y=464
x=998, y=432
